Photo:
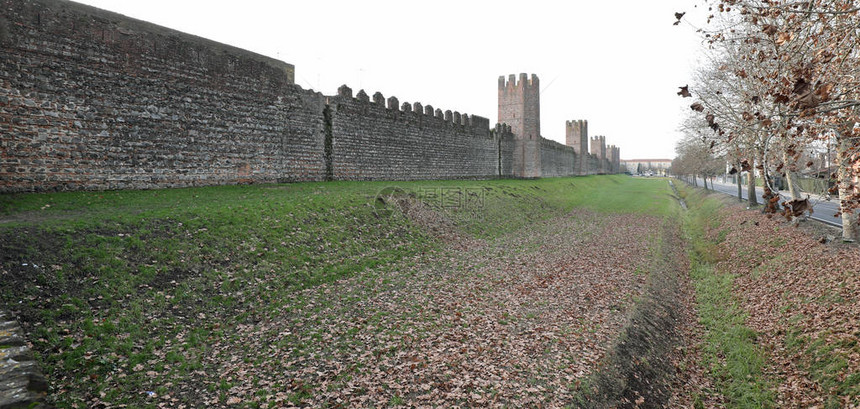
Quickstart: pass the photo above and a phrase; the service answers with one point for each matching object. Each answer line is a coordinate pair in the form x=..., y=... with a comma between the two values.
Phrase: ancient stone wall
x=403, y=141
x=95, y=100
x=91, y=99
x=557, y=159
x=507, y=146
x=594, y=164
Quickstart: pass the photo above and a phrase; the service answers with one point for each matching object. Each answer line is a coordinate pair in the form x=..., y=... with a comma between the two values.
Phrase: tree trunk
x=791, y=179
x=753, y=198
x=695, y=182
x=739, y=181
x=846, y=189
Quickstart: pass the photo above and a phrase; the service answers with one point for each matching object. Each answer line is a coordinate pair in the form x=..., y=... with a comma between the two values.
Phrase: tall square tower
x=519, y=108
x=576, y=136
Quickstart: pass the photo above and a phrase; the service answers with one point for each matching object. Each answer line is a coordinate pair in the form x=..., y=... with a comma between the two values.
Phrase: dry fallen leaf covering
x=517, y=322
x=803, y=298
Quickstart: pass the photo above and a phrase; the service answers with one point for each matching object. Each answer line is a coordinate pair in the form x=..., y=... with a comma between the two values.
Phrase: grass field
x=124, y=291
x=731, y=354
x=780, y=307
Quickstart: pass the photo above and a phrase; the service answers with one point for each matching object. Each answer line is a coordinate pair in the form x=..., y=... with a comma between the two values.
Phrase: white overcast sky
x=615, y=63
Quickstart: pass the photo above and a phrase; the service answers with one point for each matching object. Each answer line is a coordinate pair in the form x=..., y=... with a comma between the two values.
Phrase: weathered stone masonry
x=576, y=136
x=408, y=141
x=91, y=99
x=519, y=107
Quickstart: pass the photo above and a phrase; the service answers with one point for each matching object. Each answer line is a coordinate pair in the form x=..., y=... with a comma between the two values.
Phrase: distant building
x=643, y=166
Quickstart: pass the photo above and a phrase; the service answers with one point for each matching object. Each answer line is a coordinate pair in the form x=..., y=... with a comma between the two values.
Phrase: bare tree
x=791, y=75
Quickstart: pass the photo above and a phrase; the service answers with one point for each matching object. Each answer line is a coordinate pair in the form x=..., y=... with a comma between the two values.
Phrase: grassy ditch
x=639, y=369
x=731, y=354
x=106, y=283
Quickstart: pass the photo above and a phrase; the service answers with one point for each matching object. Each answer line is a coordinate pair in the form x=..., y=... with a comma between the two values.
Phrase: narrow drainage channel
x=678, y=196
x=639, y=369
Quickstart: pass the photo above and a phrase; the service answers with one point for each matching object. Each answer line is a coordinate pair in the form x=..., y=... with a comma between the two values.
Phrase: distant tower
x=612, y=158
x=598, y=149
x=519, y=107
x=576, y=133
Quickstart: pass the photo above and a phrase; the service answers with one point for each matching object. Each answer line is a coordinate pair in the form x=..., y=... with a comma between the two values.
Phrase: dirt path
x=520, y=322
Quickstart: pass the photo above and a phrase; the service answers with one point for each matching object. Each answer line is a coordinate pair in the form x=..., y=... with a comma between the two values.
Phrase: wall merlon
x=393, y=104
x=503, y=128
x=344, y=91
x=514, y=82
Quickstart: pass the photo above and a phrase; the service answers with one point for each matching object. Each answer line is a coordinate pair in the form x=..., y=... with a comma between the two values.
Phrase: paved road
x=823, y=210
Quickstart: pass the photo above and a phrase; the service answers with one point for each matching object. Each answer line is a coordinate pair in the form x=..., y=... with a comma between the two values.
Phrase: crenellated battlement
x=524, y=81
x=576, y=123
x=502, y=129
x=427, y=112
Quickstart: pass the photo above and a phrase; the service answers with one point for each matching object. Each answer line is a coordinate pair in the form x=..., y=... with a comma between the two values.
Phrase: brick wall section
x=594, y=164
x=557, y=159
x=372, y=141
x=507, y=146
x=95, y=100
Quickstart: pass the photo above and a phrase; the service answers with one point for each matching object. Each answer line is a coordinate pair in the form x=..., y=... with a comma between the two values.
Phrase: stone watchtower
x=598, y=149
x=576, y=136
x=614, y=159
x=519, y=108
